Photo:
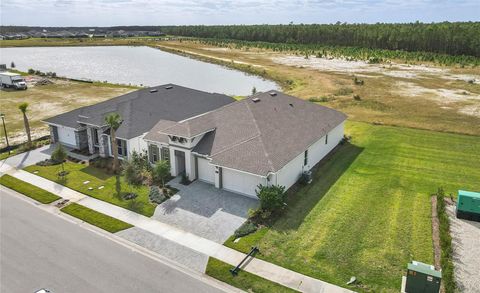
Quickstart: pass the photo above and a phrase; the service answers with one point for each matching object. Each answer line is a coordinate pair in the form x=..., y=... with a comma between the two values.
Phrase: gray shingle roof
x=259, y=137
x=142, y=109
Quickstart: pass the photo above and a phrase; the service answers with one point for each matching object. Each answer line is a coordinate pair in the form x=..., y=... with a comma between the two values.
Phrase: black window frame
x=305, y=157
x=326, y=139
x=122, y=147
x=96, y=140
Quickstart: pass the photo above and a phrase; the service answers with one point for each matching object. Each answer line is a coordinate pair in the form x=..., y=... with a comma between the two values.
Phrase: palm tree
x=24, y=107
x=114, y=121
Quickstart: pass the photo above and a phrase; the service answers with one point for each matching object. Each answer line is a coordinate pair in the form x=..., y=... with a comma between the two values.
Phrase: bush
x=445, y=243
x=357, y=97
x=161, y=171
x=132, y=174
x=129, y=196
x=47, y=162
x=155, y=195
x=31, y=71
x=135, y=206
x=247, y=228
x=271, y=197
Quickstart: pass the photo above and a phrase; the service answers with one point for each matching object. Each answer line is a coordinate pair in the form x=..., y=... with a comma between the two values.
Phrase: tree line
x=453, y=38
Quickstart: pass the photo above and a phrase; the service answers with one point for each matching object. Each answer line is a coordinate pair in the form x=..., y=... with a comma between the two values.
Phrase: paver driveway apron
x=204, y=210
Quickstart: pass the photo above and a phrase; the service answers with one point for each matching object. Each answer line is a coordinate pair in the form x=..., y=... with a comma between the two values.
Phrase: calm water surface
x=134, y=65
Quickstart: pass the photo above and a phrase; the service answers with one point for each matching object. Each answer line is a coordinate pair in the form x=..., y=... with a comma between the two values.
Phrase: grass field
x=50, y=100
x=367, y=212
x=244, y=280
x=79, y=173
x=95, y=218
x=29, y=190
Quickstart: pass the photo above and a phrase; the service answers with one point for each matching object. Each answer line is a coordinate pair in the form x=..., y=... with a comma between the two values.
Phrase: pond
x=136, y=66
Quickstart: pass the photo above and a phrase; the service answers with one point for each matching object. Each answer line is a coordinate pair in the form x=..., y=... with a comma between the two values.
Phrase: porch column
x=218, y=177
x=173, y=163
x=90, y=140
x=190, y=165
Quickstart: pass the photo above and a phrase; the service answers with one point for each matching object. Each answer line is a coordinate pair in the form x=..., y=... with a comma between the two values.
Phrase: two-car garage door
x=241, y=182
x=234, y=181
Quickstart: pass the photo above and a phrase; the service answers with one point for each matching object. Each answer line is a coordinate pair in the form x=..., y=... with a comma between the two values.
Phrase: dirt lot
x=466, y=254
x=49, y=100
x=410, y=95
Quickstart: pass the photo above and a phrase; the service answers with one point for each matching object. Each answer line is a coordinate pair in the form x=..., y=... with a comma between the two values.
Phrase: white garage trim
x=206, y=171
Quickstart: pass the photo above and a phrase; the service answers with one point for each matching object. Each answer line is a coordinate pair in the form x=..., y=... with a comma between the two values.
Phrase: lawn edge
x=28, y=189
x=75, y=210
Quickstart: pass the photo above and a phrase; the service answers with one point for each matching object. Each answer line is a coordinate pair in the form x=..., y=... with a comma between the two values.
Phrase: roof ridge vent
x=256, y=100
x=168, y=87
x=273, y=94
x=154, y=90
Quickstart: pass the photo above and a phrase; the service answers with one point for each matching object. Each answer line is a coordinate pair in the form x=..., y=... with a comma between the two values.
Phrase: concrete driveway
x=204, y=210
x=29, y=158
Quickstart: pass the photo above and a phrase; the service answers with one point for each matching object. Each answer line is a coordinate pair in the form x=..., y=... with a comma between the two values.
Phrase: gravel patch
x=466, y=255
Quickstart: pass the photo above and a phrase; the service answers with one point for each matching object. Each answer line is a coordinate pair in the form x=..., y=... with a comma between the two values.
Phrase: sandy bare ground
x=371, y=70
x=47, y=101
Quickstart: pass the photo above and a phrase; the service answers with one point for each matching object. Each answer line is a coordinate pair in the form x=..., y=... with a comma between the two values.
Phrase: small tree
x=271, y=197
x=161, y=171
x=254, y=90
x=24, y=107
x=133, y=174
x=12, y=65
x=59, y=155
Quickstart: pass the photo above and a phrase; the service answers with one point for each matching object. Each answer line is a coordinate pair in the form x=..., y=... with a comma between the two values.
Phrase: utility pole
x=5, y=131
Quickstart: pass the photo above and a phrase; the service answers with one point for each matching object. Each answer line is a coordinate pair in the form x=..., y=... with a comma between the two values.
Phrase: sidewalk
x=207, y=247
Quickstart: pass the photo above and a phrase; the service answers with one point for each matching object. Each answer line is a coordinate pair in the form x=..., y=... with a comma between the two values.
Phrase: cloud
x=144, y=12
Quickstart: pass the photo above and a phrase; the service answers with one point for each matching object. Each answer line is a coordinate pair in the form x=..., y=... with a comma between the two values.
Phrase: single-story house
x=85, y=128
x=269, y=138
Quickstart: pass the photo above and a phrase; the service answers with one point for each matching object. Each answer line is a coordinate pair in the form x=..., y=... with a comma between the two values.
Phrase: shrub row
x=446, y=244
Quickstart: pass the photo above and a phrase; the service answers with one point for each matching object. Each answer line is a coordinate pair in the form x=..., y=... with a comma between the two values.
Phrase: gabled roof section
x=142, y=109
x=262, y=133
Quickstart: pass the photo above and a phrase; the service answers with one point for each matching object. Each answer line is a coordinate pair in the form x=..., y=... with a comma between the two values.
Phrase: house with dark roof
x=84, y=130
x=270, y=138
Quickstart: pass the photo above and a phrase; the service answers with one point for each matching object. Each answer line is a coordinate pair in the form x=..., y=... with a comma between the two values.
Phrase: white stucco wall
x=291, y=172
x=206, y=171
x=137, y=144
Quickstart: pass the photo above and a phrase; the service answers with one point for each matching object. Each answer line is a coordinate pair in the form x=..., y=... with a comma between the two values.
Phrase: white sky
x=171, y=12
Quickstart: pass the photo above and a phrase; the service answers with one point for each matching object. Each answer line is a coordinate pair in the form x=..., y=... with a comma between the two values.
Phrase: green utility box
x=468, y=205
x=422, y=278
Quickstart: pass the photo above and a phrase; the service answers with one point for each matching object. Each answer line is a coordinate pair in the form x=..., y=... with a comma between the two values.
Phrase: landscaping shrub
x=47, y=162
x=446, y=244
x=357, y=97
x=130, y=195
x=135, y=206
x=271, y=197
x=161, y=171
x=132, y=174
x=247, y=228
x=155, y=195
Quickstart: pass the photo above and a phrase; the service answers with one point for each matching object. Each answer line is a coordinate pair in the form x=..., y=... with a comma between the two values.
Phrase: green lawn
x=244, y=280
x=367, y=212
x=95, y=218
x=113, y=185
x=27, y=189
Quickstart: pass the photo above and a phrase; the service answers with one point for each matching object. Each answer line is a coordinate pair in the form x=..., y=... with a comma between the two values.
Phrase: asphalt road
x=41, y=250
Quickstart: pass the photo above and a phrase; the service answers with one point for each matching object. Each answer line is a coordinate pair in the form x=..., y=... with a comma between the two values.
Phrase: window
x=305, y=158
x=326, y=139
x=122, y=147
x=154, y=153
x=166, y=154
x=95, y=135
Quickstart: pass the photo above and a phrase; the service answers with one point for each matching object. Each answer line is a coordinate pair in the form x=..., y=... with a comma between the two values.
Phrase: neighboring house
x=85, y=129
x=270, y=138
